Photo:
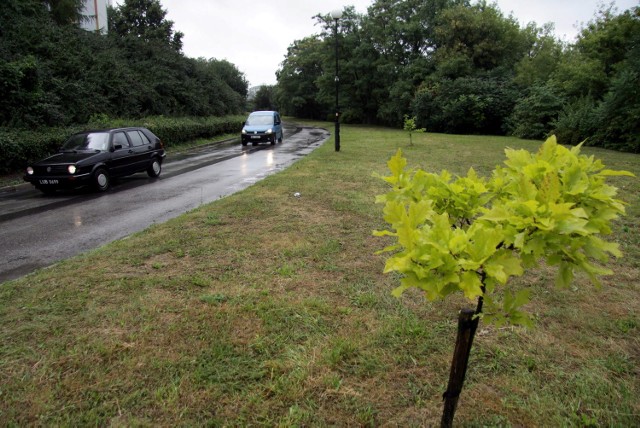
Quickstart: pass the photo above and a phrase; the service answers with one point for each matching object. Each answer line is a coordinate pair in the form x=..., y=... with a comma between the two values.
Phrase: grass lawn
x=267, y=309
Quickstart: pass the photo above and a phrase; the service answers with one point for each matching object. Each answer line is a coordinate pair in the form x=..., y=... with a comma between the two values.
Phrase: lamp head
x=336, y=14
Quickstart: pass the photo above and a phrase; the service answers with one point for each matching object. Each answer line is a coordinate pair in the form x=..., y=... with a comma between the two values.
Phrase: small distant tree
x=471, y=235
x=410, y=126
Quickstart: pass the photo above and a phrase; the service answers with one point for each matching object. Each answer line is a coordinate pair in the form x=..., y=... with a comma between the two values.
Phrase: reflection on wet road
x=37, y=231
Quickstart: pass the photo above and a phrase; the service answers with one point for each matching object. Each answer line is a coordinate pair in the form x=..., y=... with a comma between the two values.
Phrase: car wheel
x=244, y=143
x=273, y=141
x=155, y=168
x=101, y=180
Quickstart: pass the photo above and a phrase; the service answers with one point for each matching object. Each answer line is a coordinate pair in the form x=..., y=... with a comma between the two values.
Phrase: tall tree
x=145, y=20
x=66, y=12
x=297, y=79
x=599, y=76
x=475, y=39
x=542, y=58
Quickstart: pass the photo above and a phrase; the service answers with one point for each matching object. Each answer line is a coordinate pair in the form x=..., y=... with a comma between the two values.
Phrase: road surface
x=37, y=230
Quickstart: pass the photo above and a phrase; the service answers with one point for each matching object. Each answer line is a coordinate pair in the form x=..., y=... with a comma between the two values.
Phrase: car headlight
x=269, y=131
x=29, y=171
x=72, y=169
x=244, y=131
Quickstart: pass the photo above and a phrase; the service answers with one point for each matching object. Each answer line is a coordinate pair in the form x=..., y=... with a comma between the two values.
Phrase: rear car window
x=136, y=139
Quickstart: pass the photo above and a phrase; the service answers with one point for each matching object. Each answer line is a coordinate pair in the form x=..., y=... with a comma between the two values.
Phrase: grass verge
x=267, y=309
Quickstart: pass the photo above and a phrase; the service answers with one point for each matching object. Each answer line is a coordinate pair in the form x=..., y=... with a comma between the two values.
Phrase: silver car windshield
x=259, y=120
x=91, y=141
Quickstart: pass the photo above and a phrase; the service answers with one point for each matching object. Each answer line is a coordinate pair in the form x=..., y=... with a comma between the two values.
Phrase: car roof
x=126, y=128
x=262, y=113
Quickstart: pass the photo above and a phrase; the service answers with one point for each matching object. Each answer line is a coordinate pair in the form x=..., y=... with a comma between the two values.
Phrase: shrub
x=534, y=114
x=577, y=122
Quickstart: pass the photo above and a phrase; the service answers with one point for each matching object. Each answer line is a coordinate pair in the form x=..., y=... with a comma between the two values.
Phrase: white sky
x=255, y=34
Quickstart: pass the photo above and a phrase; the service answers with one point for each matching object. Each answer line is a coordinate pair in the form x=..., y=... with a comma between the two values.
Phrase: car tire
x=155, y=168
x=244, y=143
x=101, y=180
x=273, y=141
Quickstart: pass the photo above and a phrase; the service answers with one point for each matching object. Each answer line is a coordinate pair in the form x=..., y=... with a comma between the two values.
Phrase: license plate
x=255, y=137
x=48, y=181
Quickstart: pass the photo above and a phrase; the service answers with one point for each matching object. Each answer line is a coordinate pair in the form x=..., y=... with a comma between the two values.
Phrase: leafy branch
x=471, y=235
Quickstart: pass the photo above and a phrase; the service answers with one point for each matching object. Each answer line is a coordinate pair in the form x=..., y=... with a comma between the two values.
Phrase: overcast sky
x=255, y=34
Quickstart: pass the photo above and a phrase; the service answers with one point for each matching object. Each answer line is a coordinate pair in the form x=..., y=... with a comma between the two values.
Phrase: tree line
x=467, y=68
x=53, y=73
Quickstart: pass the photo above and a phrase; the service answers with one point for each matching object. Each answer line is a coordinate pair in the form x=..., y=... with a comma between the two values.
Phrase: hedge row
x=19, y=147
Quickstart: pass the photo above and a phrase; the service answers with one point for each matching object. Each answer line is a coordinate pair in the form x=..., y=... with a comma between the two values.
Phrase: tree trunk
x=467, y=326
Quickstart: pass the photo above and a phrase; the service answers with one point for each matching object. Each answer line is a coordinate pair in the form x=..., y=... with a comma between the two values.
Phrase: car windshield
x=90, y=141
x=258, y=120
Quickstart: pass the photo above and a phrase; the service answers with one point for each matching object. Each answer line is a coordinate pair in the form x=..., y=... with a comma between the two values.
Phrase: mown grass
x=267, y=309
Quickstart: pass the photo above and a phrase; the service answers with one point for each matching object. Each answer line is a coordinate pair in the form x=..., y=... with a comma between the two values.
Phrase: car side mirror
x=117, y=147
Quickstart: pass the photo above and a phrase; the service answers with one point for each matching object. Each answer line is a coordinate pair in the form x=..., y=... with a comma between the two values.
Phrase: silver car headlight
x=244, y=131
x=269, y=131
x=72, y=169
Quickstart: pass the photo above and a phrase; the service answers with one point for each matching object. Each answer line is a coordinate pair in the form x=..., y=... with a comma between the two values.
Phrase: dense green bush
x=533, y=114
x=577, y=122
x=467, y=105
x=54, y=74
x=175, y=131
x=17, y=147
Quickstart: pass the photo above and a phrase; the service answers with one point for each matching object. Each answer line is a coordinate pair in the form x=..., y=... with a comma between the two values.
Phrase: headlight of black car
x=72, y=169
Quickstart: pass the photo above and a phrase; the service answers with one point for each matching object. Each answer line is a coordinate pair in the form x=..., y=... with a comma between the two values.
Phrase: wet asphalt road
x=37, y=230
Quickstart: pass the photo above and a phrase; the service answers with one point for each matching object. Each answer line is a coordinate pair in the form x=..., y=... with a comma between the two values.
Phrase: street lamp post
x=336, y=15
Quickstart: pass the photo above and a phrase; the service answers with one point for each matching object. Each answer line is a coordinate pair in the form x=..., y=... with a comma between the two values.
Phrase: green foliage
x=297, y=88
x=144, y=20
x=54, y=74
x=466, y=105
x=462, y=67
x=536, y=67
x=471, y=235
x=620, y=108
x=533, y=114
x=477, y=38
x=410, y=126
x=19, y=146
x=577, y=121
x=265, y=98
x=174, y=131
x=65, y=12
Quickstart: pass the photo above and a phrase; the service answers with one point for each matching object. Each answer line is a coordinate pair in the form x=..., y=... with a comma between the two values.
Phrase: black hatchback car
x=95, y=157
